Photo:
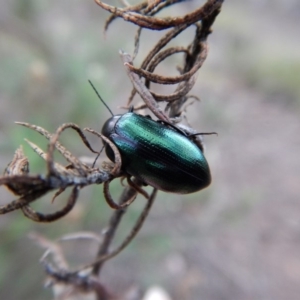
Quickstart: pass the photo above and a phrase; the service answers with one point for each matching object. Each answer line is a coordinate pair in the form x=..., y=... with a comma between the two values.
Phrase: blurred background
x=238, y=239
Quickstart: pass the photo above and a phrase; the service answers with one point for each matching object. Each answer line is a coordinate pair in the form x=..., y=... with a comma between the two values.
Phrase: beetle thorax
x=109, y=125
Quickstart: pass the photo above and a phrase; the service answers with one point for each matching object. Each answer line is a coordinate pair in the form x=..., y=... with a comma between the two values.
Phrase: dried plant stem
x=78, y=174
x=103, y=253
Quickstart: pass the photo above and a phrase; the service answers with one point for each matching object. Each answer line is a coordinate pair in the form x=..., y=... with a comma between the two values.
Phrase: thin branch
x=103, y=254
x=162, y=23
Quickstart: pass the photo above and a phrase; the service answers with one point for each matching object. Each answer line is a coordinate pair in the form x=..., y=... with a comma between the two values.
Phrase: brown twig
x=160, y=23
x=77, y=174
x=103, y=253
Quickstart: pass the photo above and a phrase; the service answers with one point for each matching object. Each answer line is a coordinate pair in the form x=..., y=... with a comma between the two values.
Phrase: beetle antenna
x=100, y=97
x=94, y=163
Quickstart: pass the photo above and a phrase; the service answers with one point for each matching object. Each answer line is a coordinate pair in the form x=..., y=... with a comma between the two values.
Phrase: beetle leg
x=131, y=108
x=110, y=200
x=137, y=187
x=39, y=217
x=118, y=161
x=173, y=126
x=197, y=139
x=203, y=133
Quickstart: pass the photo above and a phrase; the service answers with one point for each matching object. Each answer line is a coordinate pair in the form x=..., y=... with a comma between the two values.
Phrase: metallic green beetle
x=159, y=154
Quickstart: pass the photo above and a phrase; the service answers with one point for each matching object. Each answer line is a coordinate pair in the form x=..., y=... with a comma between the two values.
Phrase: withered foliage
x=77, y=174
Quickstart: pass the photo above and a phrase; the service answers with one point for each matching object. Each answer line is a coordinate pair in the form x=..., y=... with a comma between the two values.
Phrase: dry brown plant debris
x=77, y=174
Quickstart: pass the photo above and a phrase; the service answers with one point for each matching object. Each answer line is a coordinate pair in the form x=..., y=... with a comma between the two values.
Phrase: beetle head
x=107, y=130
